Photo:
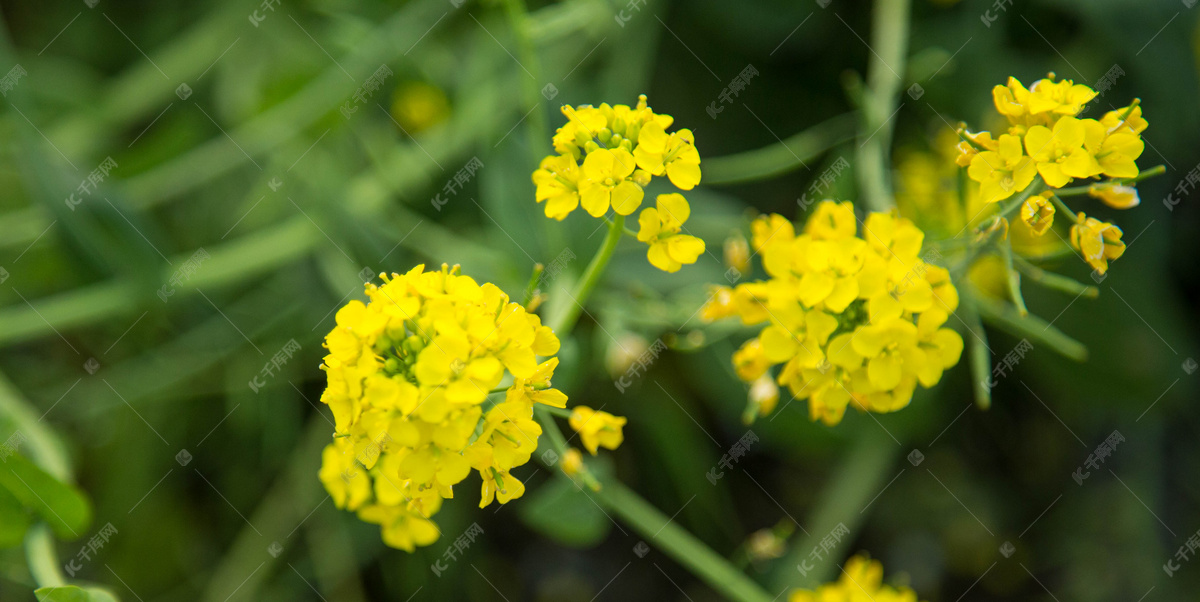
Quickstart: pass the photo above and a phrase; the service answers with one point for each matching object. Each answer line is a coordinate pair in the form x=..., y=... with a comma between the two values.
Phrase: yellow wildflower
x=675, y=155
x=1059, y=153
x=1002, y=172
x=1117, y=196
x=572, y=462
x=597, y=429
x=661, y=227
x=737, y=253
x=1098, y=241
x=1043, y=103
x=1115, y=150
x=605, y=182
x=861, y=579
x=848, y=318
x=1038, y=213
x=408, y=375
x=557, y=181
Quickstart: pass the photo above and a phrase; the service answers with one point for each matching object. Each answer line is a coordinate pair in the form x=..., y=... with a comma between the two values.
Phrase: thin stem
x=676, y=542
x=1064, y=208
x=979, y=355
x=565, y=321
x=1144, y=174
x=889, y=41
x=1014, y=279
x=1054, y=281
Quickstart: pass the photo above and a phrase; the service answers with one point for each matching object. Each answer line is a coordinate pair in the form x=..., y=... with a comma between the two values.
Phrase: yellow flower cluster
x=411, y=380
x=606, y=156
x=850, y=318
x=861, y=581
x=1046, y=138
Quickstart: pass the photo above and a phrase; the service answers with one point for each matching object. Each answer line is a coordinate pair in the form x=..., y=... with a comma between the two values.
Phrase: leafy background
x=292, y=200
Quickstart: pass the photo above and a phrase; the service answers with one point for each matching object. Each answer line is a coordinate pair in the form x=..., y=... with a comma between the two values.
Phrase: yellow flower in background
x=1117, y=196
x=410, y=374
x=1003, y=172
x=597, y=429
x=1059, y=153
x=1098, y=241
x=418, y=106
x=1038, y=213
x=861, y=580
x=572, y=462
x=849, y=318
x=607, y=155
x=660, y=226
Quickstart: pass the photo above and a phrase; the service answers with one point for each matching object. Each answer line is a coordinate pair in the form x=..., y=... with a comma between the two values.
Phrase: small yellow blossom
x=848, y=318
x=1038, y=213
x=1098, y=241
x=675, y=155
x=1059, y=153
x=1117, y=196
x=572, y=462
x=1115, y=150
x=861, y=579
x=763, y=397
x=661, y=227
x=737, y=253
x=597, y=429
x=1002, y=172
x=605, y=182
x=557, y=181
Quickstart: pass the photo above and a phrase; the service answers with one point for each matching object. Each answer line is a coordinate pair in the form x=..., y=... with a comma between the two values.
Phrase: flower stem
x=889, y=38
x=565, y=322
x=718, y=572
x=1145, y=173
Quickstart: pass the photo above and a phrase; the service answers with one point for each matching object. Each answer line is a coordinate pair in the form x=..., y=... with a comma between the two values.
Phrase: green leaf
x=62, y=506
x=561, y=511
x=14, y=520
x=72, y=593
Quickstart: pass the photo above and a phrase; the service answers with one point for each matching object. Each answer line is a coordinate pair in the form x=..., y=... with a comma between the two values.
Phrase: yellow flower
x=605, y=182
x=848, y=318
x=401, y=528
x=674, y=154
x=572, y=462
x=597, y=429
x=967, y=149
x=861, y=580
x=408, y=375
x=1042, y=103
x=660, y=226
x=557, y=181
x=1115, y=149
x=737, y=253
x=1038, y=213
x=1098, y=241
x=1117, y=196
x=1128, y=120
x=1002, y=172
x=1059, y=153
x=607, y=155
x=763, y=397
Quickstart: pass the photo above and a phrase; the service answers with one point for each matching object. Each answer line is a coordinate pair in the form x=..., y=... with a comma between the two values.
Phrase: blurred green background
x=254, y=186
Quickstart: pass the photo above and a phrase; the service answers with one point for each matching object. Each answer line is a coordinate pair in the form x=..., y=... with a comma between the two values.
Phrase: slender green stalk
x=1013, y=278
x=565, y=321
x=889, y=41
x=622, y=501
x=1144, y=174
x=1061, y=206
x=980, y=357
x=660, y=530
x=1054, y=281
x=1030, y=326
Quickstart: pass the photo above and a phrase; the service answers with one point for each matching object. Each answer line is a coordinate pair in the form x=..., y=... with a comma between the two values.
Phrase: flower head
x=606, y=156
x=409, y=375
x=1002, y=172
x=1098, y=241
x=660, y=226
x=1117, y=196
x=1038, y=213
x=861, y=579
x=848, y=318
x=597, y=429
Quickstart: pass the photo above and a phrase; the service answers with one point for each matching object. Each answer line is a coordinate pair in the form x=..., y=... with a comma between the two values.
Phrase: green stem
x=889, y=41
x=677, y=543
x=980, y=357
x=1145, y=173
x=1037, y=330
x=565, y=321
x=1058, y=203
x=42, y=559
x=1054, y=281
x=1013, y=278
x=539, y=130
